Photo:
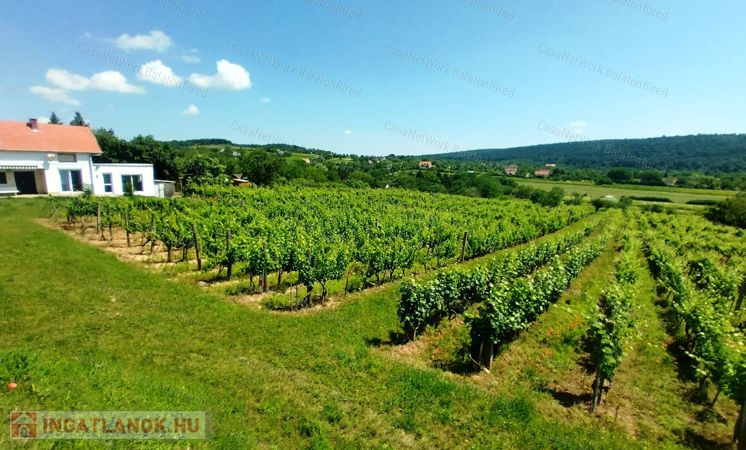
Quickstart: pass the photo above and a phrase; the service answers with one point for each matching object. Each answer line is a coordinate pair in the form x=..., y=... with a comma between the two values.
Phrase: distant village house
x=426, y=165
x=543, y=173
x=511, y=170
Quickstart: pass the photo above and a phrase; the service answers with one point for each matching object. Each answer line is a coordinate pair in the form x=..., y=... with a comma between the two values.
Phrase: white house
x=112, y=179
x=38, y=158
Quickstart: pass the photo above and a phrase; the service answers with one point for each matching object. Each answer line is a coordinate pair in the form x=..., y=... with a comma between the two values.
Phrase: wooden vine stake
x=463, y=245
x=98, y=219
x=264, y=270
x=127, y=224
x=487, y=350
x=108, y=214
x=152, y=234
x=196, y=246
x=228, y=253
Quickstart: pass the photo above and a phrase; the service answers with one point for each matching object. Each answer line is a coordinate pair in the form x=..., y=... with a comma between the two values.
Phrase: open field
x=676, y=195
x=94, y=332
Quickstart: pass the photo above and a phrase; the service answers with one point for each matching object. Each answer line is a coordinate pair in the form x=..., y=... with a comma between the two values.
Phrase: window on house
x=67, y=158
x=132, y=183
x=72, y=180
x=3, y=178
x=108, y=187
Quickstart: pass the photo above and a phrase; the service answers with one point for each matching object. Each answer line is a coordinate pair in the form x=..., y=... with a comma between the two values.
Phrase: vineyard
x=489, y=311
x=280, y=239
x=625, y=325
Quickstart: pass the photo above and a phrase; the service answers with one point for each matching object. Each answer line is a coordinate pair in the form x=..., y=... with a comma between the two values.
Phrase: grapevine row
x=515, y=304
x=610, y=327
x=451, y=292
x=321, y=234
x=707, y=319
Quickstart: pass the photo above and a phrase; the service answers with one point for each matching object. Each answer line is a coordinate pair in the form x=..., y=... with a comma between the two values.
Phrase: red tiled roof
x=18, y=136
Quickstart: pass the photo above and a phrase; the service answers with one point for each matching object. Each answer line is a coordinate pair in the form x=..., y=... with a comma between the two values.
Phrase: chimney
x=33, y=124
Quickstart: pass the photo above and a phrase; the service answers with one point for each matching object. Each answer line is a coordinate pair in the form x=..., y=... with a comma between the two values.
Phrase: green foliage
x=606, y=203
x=321, y=233
x=610, y=328
x=620, y=175
x=731, y=211
x=261, y=167
x=78, y=120
x=712, y=153
x=701, y=299
x=453, y=291
x=141, y=149
x=516, y=303
x=651, y=198
x=202, y=169
x=15, y=366
x=54, y=119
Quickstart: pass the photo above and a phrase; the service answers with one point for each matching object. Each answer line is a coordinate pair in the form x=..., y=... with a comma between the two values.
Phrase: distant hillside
x=197, y=143
x=708, y=153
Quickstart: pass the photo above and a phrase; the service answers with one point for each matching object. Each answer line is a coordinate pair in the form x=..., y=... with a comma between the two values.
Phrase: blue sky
x=379, y=77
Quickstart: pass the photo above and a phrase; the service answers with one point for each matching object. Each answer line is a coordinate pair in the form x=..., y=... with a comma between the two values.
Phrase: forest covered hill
x=710, y=153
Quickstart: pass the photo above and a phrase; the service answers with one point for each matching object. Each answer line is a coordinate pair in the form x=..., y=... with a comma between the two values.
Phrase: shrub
x=730, y=212
x=650, y=198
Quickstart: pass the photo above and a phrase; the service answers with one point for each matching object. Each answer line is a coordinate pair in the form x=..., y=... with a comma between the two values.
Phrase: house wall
x=116, y=171
x=49, y=180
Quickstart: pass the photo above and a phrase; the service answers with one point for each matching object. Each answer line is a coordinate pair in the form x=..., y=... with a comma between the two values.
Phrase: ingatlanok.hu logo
x=120, y=425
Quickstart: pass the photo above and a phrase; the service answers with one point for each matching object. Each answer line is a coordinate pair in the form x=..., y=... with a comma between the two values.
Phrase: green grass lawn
x=100, y=334
x=677, y=195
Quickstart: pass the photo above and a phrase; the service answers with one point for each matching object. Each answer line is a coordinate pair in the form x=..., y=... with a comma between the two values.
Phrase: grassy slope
x=677, y=195
x=107, y=335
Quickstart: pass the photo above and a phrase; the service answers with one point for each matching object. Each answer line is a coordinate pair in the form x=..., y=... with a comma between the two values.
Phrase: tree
x=160, y=154
x=78, y=120
x=201, y=169
x=261, y=166
x=142, y=149
x=620, y=175
x=651, y=178
x=731, y=211
x=54, y=119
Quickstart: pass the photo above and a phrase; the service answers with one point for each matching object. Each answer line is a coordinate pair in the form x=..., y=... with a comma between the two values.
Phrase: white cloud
x=191, y=110
x=158, y=73
x=155, y=40
x=67, y=80
x=114, y=81
x=348, y=131
x=42, y=119
x=54, y=95
x=229, y=76
x=191, y=59
x=265, y=100
x=578, y=127
x=109, y=80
